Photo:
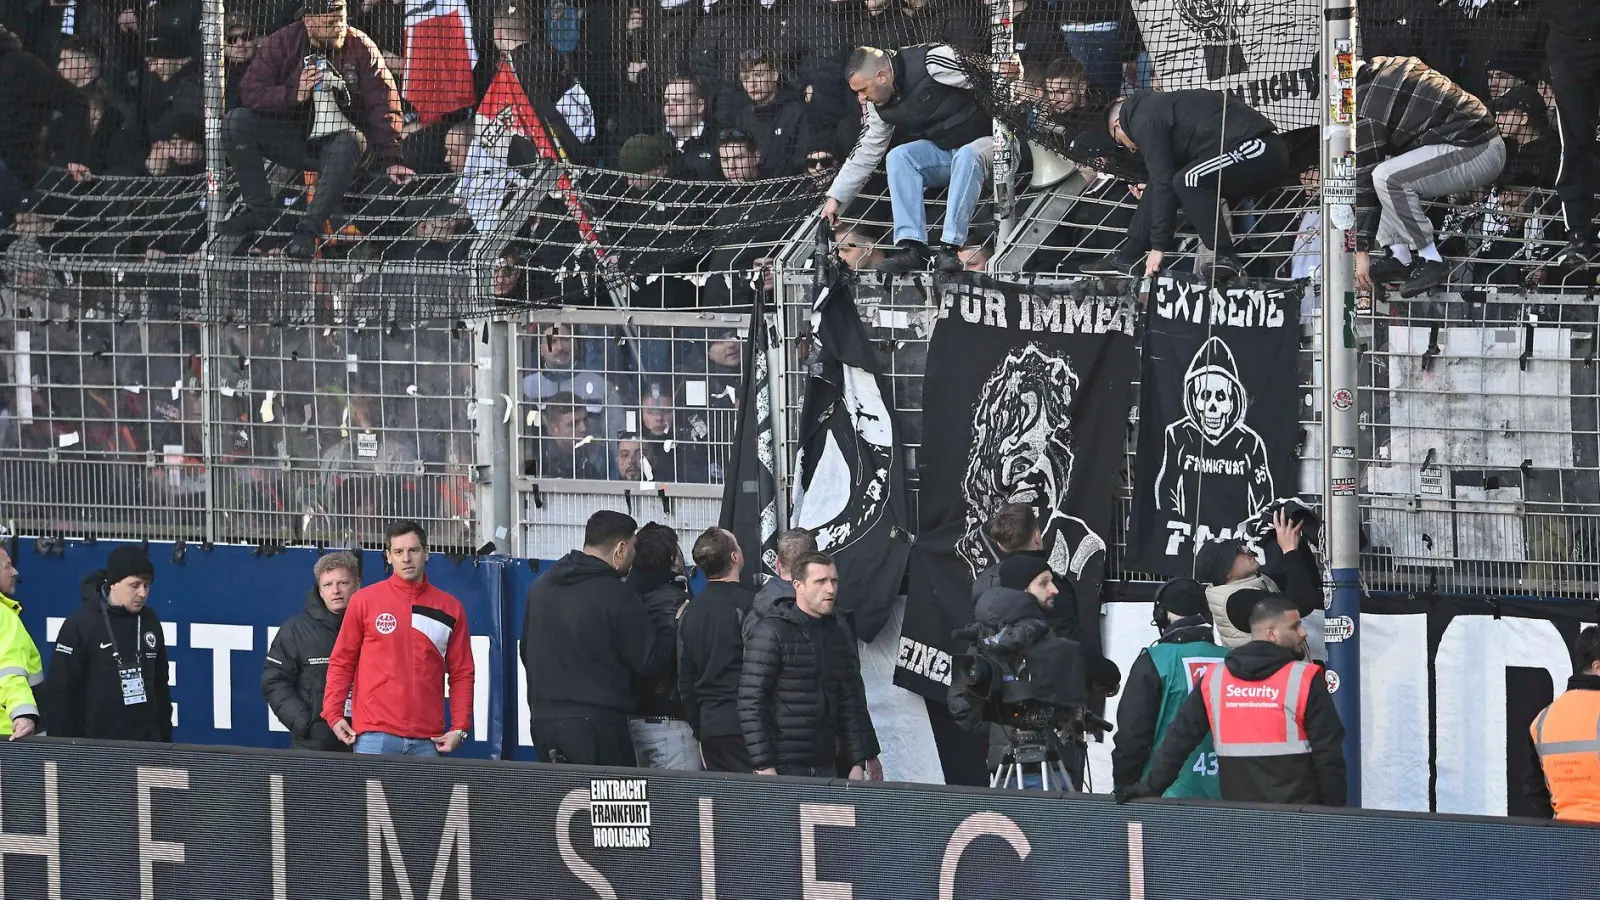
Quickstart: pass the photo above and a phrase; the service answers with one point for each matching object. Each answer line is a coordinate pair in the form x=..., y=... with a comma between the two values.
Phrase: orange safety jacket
x=1567, y=737
x=1259, y=718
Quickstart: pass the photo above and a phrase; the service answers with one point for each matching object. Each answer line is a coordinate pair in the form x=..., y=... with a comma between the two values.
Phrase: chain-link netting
x=648, y=152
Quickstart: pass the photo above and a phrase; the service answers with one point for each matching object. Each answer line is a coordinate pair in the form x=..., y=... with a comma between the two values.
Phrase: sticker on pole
x=1343, y=399
x=1344, y=452
x=1338, y=629
x=1332, y=678
x=1344, y=487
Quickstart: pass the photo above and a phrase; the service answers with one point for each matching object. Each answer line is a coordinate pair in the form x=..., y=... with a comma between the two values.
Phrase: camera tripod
x=1033, y=753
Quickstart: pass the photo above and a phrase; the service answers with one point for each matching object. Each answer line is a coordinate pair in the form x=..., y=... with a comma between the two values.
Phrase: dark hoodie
x=585, y=638
x=711, y=655
x=35, y=92
x=780, y=128
x=1317, y=777
x=83, y=692
x=296, y=674
x=664, y=594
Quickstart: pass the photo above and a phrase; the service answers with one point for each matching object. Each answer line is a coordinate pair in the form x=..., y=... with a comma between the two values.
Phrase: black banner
x=1026, y=400
x=107, y=821
x=1219, y=417
x=750, y=490
x=850, y=468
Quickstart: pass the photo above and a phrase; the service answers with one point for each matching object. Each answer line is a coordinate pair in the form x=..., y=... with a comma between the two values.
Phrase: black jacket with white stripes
x=1401, y=105
x=1174, y=130
x=296, y=673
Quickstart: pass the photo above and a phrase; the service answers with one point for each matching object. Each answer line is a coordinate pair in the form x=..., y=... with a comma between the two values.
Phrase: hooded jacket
x=1296, y=578
x=585, y=638
x=295, y=676
x=83, y=694
x=664, y=595
x=1175, y=129
x=398, y=643
x=802, y=703
x=21, y=669
x=711, y=657
x=1317, y=777
x=1213, y=446
x=34, y=93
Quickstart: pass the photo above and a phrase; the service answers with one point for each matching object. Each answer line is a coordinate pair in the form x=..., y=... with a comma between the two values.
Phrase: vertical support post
x=214, y=75
x=1002, y=46
x=1341, y=423
x=495, y=407
x=208, y=425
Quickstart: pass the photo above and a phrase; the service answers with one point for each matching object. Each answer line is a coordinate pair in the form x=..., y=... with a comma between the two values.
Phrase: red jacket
x=397, y=643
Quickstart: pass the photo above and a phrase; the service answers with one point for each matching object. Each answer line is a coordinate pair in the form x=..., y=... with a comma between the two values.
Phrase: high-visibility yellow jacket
x=20, y=666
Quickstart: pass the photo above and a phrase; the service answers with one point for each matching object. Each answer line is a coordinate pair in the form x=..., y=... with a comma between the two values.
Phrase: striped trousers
x=1435, y=170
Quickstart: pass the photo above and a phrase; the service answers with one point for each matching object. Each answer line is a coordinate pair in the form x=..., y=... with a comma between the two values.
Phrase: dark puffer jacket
x=801, y=699
x=296, y=674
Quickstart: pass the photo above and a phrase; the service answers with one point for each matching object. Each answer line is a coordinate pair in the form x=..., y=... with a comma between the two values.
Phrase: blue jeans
x=1100, y=52
x=916, y=166
x=377, y=742
x=664, y=744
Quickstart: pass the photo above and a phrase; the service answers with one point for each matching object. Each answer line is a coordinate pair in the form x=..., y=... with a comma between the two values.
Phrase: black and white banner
x=1262, y=51
x=1218, y=417
x=750, y=489
x=1026, y=400
x=849, y=486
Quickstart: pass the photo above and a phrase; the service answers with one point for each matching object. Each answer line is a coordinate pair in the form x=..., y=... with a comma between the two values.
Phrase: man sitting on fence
x=922, y=92
x=1418, y=134
x=317, y=96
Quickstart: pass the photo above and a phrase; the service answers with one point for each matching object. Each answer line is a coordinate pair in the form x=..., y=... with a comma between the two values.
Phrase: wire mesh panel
x=1481, y=447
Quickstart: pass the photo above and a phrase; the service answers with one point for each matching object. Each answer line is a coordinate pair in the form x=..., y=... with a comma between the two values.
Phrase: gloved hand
x=1136, y=791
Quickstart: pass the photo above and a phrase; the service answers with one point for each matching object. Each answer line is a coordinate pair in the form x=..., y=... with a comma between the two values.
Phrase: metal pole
x=214, y=71
x=1341, y=423
x=1002, y=46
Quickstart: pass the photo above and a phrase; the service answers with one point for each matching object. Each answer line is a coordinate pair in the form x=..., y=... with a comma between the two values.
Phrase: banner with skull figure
x=1262, y=51
x=1025, y=400
x=1219, y=417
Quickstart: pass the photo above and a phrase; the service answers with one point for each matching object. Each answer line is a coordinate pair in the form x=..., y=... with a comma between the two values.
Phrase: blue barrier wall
x=219, y=608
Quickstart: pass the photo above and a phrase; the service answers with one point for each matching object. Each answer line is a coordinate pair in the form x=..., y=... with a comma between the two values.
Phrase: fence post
x=1341, y=423
x=1002, y=46
x=213, y=78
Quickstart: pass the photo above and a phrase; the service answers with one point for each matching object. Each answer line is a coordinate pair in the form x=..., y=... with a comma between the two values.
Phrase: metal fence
x=123, y=414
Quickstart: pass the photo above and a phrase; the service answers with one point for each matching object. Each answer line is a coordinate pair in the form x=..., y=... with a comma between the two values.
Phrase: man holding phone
x=282, y=120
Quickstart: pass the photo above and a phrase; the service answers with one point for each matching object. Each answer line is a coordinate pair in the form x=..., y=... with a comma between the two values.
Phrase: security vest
x=1567, y=736
x=1259, y=718
x=1182, y=667
x=927, y=109
x=21, y=669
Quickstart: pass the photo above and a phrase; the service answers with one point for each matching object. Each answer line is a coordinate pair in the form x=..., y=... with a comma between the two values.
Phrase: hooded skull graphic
x=1214, y=470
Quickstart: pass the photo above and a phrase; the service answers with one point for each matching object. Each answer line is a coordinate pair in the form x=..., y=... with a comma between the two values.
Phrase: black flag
x=1026, y=400
x=850, y=468
x=1219, y=417
x=750, y=489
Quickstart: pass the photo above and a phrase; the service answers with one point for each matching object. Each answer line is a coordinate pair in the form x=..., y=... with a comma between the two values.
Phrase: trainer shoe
x=1226, y=267
x=249, y=220
x=911, y=257
x=1576, y=255
x=1425, y=277
x=948, y=260
x=1385, y=269
x=1115, y=265
x=302, y=246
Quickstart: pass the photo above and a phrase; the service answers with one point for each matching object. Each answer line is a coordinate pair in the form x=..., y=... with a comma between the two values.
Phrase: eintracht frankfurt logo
x=386, y=623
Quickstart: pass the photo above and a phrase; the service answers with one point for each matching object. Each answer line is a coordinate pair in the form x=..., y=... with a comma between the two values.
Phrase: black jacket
x=1574, y=18
x=711, y=657
x=1174, y=129
x=1317, y=777
x=801, y=699
x=664, y=594
x=1537, y=789
x=585, y=638
x=297, y=671
x=780, y=129
x=33, y=93
x=1139, y=708
x=83, y=693
x=927, y=109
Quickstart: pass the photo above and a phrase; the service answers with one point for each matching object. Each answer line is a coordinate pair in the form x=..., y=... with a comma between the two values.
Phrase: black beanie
x=126, y=561
x=1019, y=571
x=1241, y=603
x=1183, y=597
x=1215, y=559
